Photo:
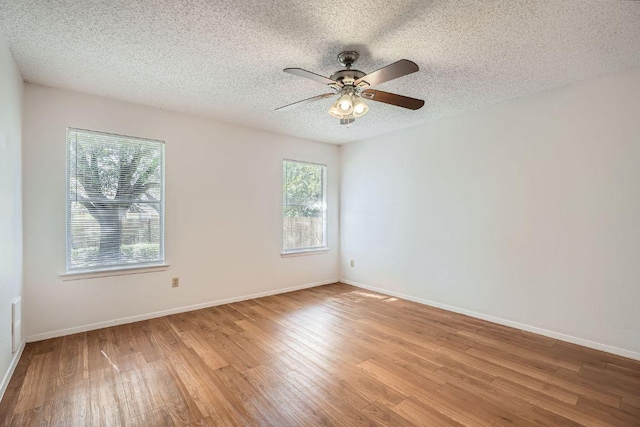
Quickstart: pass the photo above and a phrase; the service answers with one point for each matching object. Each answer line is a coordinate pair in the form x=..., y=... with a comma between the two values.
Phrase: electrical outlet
x=353, y=263
x=175, y=282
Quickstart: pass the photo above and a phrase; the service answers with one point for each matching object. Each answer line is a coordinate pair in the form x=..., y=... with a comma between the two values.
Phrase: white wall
x=528, y=212
x=11, y=90
x=223, y=213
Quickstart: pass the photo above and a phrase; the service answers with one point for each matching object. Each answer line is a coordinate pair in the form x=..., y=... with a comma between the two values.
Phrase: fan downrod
x=348, y=58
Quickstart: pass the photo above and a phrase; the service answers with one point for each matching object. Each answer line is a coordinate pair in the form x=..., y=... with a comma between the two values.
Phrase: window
x=115, y=205
x=304, y=222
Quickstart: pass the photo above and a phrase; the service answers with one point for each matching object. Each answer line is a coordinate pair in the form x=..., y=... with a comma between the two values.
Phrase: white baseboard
x=547, y=333
x=138, y=318
x=12, y=367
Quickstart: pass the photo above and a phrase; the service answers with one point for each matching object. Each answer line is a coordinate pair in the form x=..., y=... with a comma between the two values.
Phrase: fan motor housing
x=347, y=77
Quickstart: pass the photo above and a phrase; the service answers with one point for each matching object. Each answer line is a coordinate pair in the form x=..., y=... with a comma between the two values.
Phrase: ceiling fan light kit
x=349, y=104
x=352, y=86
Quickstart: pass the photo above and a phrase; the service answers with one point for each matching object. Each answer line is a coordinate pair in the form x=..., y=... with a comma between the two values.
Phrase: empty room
x=297, y=213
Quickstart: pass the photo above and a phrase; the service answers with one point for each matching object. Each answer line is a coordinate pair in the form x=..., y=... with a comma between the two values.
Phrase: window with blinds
x=115, y=206
x=304, y=222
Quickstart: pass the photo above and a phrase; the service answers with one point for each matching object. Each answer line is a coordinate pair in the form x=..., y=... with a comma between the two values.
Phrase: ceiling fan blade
x=393, y=99
x=390, y=72
x=309, y=75
x=305, y=101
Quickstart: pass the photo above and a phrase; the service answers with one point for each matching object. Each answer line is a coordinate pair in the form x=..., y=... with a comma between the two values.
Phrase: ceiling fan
x=352, y=87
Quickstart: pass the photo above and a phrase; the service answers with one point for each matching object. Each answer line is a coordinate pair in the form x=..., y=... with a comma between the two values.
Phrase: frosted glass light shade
x=345, y=104
x=359, y=107
x=335, y=110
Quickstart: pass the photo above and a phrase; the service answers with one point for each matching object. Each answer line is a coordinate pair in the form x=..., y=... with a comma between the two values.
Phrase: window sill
x=80, y=275
x=305, y=252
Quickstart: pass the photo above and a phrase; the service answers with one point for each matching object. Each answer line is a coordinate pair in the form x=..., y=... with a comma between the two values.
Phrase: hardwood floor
x=331, y=355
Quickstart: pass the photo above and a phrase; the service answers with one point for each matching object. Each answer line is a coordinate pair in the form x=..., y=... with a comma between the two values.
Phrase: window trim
x=318, y=251
x=325, y=219
x=112, y=270
x=120, y=271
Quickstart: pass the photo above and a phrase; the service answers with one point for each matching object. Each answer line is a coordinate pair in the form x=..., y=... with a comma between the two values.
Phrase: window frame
x=128, y=268
x=325, y=238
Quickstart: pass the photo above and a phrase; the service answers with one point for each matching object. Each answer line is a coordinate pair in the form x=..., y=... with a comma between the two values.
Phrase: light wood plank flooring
x=331, y=355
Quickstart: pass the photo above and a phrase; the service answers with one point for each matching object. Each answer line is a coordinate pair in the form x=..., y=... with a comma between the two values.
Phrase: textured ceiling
x=224, y=59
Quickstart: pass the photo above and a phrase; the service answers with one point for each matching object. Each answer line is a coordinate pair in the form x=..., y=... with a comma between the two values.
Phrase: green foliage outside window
x=303, y=190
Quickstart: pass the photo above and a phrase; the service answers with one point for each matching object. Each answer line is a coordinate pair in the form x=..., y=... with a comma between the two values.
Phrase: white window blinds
x=115, y=189
x=304, y=211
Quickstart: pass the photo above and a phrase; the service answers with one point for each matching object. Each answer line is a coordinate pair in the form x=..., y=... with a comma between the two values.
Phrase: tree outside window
x=114, y=207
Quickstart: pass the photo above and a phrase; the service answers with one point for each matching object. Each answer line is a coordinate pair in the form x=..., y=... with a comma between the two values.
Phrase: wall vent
x=16, y=324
